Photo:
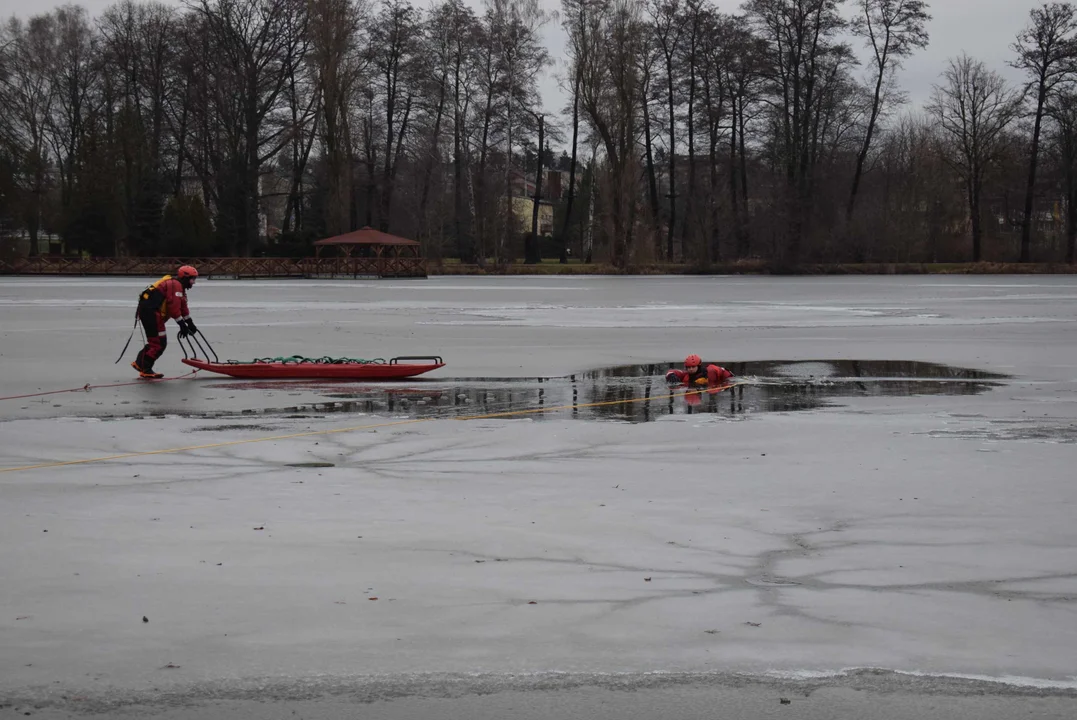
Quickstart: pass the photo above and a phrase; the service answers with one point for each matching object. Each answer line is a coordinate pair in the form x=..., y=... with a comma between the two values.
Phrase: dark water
x=637, y=393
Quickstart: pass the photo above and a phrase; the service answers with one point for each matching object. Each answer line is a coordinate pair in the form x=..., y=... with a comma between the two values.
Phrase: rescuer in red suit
x=695, y=374
x=164, y=299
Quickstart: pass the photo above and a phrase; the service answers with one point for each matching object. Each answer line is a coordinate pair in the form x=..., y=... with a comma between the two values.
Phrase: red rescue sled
x=392, y=370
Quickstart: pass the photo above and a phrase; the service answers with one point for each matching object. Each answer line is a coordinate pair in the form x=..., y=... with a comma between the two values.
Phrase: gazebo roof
x=365, y=236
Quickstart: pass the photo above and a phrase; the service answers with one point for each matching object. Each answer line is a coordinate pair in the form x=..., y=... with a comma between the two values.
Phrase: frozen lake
x=885, y=505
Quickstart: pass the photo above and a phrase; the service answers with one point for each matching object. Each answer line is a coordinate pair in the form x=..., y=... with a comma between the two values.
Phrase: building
x=523, y=203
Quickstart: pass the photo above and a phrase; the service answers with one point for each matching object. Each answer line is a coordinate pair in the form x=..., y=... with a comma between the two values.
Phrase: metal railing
x=269, y=267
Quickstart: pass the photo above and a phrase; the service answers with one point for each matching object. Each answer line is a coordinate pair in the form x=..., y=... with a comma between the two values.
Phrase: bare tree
x=973, y=107
x=138, y=50
x=336, y=35
x=490, y=82
x=589, y=232
x=370, y=137
x=531, y=251
x=1061, y=108
x=892, y=29
x=456, y=33
x=610, y=96
x=1047, y=52
x=690, y=61
x=521, y=57
x=395, y=47
x=192, y=120
x=800, y=36
x=914, y=183
x=76, y=73
x=667, y=26
x=744, y=67
x=28, y=92
x=715, y=49
x=575, y=13
x=648, y=61
x=434, y=68
x=302, y=94
x=258, y=44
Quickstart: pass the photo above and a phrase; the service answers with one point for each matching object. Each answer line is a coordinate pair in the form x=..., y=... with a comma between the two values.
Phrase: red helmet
x=692, y=360
x=185, y=272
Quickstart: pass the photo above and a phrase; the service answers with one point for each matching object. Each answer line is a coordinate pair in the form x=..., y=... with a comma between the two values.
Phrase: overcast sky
x=984, y=29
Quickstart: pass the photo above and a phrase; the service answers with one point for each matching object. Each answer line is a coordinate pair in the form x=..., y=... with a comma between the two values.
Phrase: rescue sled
x=397, y=368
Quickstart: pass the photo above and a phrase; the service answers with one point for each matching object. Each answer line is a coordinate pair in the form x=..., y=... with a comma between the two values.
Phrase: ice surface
x=928, y=535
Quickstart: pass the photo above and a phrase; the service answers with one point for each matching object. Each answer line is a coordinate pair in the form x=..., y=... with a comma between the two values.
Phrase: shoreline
x=153, y=266
x=760, y=268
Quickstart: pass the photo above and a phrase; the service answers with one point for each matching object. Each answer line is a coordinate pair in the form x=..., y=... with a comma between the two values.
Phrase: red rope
x=88, y=387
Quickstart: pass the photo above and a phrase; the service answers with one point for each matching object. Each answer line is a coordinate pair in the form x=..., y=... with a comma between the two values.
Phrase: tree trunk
x=687, y=227
x=249, y=224
x=469, y=177
x=33, y=221
x=617, y=203
x=652, y=181
x=741, y=122
x=464, y=246
x=589, y=241
x=572, y=168
x=1071, y=212
x=387, y=196
x=715, y=243
x=744, y=214
x=503, y=242
x=672, y=163
x=484, y=150
x=691, y=221
x=733, y=200
x=295, y=195
x=533, y=254
x=633, y=209
x=390, y=109
x=351, y=165
x=181, y=148
x=974, y=212
x=876, y=102
x=371, y=163
x=338, y=192
x=714, y=115
x=1030, y=188
x=435, y=160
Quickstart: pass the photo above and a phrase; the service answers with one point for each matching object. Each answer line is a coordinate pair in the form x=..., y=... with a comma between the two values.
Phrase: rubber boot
x=147, y=373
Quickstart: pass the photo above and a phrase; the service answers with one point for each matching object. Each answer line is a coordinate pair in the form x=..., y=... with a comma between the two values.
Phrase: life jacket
x=156, y=295
x=699, y=377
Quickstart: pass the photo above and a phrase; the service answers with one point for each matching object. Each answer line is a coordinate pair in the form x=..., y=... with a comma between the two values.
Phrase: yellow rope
x=355, y=428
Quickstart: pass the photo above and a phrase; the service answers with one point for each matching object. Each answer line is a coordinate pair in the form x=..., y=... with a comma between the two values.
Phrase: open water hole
x=632, y=393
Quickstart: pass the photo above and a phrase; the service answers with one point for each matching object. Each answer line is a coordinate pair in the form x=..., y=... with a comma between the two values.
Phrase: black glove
x=191, y=329
x=186, y=328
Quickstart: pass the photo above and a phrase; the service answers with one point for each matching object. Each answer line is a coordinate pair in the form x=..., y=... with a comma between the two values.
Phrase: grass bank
x=753, y=267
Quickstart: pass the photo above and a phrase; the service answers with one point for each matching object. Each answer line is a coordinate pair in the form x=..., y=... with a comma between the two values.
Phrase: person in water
x=165, y=299
x=695, y=374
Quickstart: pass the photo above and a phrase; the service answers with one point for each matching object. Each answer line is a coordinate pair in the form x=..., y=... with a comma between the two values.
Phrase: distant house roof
x=365, y=236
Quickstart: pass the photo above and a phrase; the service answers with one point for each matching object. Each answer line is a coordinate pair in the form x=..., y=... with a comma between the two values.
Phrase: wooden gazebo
x=370, y=251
